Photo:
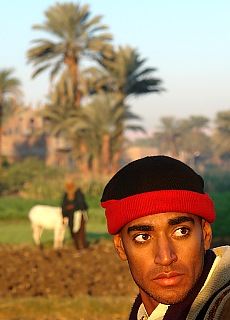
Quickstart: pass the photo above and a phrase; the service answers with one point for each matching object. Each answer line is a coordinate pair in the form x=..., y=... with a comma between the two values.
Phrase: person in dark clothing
x=74, y=208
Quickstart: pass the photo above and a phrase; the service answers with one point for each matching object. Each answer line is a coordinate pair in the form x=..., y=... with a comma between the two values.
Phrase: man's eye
x=181, y=232
x=142, y=238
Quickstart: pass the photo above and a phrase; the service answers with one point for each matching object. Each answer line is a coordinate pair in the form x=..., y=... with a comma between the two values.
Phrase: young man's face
x=165, y=253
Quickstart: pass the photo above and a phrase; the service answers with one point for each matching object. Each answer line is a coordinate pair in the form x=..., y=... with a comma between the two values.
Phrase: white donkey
x=49, y=218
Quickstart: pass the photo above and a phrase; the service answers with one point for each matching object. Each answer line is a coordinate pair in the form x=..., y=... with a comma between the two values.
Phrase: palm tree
x=96, y=124
x=221, y=135
x=167, y=135
x=9, y=91
x=75, y=35
x=127, y=76
x=195, y=142
x=63, y=116
x=60, y=113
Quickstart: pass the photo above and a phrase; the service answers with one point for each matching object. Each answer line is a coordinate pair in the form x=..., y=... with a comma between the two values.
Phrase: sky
x=187, y=41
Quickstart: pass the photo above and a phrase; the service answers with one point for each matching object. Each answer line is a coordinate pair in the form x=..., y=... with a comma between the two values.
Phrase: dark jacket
x=70, y=206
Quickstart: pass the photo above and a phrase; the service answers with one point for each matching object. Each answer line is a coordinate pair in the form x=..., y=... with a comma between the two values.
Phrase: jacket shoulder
x=225, y=313
x=220, y=307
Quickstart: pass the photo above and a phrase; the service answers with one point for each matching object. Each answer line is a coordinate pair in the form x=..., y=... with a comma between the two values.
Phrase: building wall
x=22, y=137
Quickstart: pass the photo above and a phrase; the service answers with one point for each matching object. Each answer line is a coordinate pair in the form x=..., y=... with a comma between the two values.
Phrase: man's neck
x=149, y=303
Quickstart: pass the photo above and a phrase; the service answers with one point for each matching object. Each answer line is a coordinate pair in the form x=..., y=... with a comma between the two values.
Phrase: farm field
x=58, y=281
x=44, y=284
x=78, y=308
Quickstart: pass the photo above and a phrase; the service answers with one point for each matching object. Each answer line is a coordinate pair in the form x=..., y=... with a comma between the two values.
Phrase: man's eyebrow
x=141, y=227
x=171, y=222
x=178, y=220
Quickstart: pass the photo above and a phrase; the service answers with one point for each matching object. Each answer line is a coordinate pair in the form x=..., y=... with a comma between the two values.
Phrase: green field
x=15, y=226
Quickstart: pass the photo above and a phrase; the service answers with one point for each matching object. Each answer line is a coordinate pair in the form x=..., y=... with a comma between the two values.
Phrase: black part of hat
x=152, y=173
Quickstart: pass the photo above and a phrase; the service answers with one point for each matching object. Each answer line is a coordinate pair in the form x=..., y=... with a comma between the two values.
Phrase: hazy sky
x=187, y=41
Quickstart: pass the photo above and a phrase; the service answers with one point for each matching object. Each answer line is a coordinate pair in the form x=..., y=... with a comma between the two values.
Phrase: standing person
x=74, y=207
x=160, y=217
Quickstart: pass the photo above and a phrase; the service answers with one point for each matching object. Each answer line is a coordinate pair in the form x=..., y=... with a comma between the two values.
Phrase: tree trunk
x=0, y=142
x=119, y=143
x=0, y=147
x=105, y=154
x=95, y=166
x=73, y=70
x=173, y=148
x=117, y=155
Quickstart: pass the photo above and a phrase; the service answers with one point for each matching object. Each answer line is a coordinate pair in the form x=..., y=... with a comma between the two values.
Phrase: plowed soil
x=28, y=271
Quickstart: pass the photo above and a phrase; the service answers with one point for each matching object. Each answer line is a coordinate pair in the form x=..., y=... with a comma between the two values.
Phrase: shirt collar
x=158, y=313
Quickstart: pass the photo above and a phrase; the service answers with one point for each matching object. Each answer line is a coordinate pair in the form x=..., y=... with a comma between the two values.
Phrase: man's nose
x=165, y=252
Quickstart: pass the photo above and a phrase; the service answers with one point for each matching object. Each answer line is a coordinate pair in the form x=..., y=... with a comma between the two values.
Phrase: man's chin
x=169, y=298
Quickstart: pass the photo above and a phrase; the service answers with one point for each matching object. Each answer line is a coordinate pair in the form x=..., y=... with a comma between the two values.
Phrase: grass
x=80, y=308
x=221, y=227
x=15, y=227
x=19, y=232
x=16, y=208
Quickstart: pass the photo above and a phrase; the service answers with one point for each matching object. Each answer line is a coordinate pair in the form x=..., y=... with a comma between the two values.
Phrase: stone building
x=22, y=137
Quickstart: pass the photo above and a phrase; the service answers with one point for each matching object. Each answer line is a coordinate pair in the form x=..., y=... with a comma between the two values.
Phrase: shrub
x=32, y=178
x=217, y=180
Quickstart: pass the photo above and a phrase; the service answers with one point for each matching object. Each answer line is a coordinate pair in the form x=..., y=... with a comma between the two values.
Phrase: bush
x=217, y=180
x=93, y=186
x=31, y=178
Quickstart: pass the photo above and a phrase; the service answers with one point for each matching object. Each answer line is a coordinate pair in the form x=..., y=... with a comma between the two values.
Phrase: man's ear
x=207, y=234
x=119, y=246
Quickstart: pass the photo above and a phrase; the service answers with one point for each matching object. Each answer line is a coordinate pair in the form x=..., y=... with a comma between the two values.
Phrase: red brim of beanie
x=120, y=212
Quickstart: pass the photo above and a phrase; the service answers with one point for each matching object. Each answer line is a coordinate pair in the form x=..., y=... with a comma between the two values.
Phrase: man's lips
x=168, y=278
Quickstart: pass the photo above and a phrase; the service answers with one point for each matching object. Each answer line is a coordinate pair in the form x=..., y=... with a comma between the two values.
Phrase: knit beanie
x=151, y=185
